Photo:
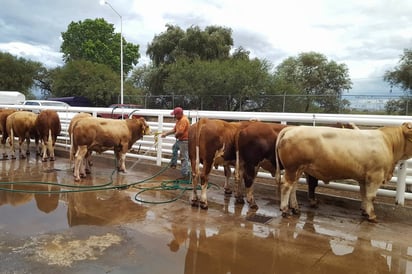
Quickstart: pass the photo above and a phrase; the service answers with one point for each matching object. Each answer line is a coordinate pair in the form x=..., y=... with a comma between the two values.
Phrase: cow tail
x=237, y=165
x=50, y=142
x=277, y=174
x=198, y=130
x=71, y=156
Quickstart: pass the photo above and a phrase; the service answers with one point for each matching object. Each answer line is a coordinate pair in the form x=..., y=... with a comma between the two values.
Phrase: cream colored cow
x=367, y=156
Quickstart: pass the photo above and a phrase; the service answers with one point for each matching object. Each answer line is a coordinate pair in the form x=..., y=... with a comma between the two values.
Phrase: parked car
x=50, y=104
x=127, y=109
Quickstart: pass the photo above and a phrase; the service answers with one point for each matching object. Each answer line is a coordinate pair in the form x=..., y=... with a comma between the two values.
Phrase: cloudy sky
x=369, y=36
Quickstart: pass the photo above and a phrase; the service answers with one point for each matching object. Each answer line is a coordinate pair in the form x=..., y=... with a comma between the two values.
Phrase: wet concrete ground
x=81, y=230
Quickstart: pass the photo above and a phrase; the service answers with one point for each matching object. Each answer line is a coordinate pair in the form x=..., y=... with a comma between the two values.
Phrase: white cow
x=367, y=156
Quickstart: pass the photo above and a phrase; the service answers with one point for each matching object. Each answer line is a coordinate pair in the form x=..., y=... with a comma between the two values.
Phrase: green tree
x=95, y=41
x=96, y=82
x=212, y=43
x=18, y=74
x=176, y=45
x=400, y=76
x=320, y=81
x=396, y=107
x=231, y=84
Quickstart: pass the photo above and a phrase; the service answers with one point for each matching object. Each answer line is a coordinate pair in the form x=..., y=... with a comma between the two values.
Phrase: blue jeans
x=183, y=146
x=175, y=150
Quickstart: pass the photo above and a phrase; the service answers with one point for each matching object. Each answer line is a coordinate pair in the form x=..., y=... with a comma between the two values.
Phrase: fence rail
x=159, y=150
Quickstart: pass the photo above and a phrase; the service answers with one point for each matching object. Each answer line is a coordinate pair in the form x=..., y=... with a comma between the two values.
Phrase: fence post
x=159, y=141
x=401, y=183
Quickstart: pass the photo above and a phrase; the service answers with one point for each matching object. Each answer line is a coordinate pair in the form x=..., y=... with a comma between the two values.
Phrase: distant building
x=74, y=101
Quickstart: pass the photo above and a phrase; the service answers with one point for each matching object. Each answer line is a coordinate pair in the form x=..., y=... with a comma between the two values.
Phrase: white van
x=60, y=107
x=11, y=97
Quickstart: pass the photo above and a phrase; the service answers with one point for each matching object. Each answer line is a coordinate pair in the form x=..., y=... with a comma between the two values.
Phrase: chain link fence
x=278, y=103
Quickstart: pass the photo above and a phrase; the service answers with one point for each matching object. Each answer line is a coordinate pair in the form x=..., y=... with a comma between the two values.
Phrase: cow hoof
x=44, y=159
x=77, y=179
x=203, y=205
x=253, y=206
x=5, y=156
x=52, y=159
x=363, y=213
x=372, y=220
x=228, y=191
x=296, y=211
x=82, y=176
x=194, y=203
x=88, y=171
x=27, y=152
x=13, y=157
x=313, y=203
x=285, y=215
x=239, y=201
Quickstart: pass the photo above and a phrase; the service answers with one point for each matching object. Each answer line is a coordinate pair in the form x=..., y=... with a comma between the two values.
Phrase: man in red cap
x=181, y=132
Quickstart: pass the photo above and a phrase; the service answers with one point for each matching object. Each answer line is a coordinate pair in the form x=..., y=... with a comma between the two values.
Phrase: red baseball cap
x=177, y=110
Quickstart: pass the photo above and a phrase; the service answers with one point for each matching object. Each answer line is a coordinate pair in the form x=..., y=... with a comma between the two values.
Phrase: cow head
x=145, y=126
x=407, y=133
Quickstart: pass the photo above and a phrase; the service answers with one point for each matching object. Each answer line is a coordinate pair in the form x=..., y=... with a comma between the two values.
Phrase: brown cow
x=73, y=121
x=21, y=124
x=211, y=143
x=49, y=127
x=101, y=134
x=367, y=156
x=3, y=117
x=255, y=147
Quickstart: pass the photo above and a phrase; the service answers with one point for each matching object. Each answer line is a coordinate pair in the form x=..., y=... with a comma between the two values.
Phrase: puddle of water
x=114, y=233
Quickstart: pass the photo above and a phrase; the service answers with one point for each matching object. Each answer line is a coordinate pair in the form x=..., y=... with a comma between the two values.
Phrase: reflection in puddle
x=221, y=240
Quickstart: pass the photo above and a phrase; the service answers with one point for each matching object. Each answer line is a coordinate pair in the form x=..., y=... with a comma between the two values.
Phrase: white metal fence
x=159, y=149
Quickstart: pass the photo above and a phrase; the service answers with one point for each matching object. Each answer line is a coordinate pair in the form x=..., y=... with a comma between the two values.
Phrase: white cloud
x=40, y=53
x=369, y=36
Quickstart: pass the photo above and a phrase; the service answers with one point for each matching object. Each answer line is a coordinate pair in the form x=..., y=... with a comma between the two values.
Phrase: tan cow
x=211, y=143
x=101, y=134
x=4, y=113
x=21, y=124
x=367, y=156
x=87, y=162
x=49, y=127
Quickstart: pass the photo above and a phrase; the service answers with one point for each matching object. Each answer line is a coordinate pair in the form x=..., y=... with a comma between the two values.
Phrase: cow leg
x=50, y=146
x=371, y=188
x=3, y=146
x=204, y=180
x=287, y=184
x=28, y=145
x=195, y=165
x=44, y=151
x=312, y=184
x=293, y=201
x=11, y=143
x=37, y=146
x=194, y=200
x=122, y=161
x=226, y=187
x=238, y=187
x=362, y=189
x=249, y=176
x=78, y=160
x=22, y=155
x=88, y=162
